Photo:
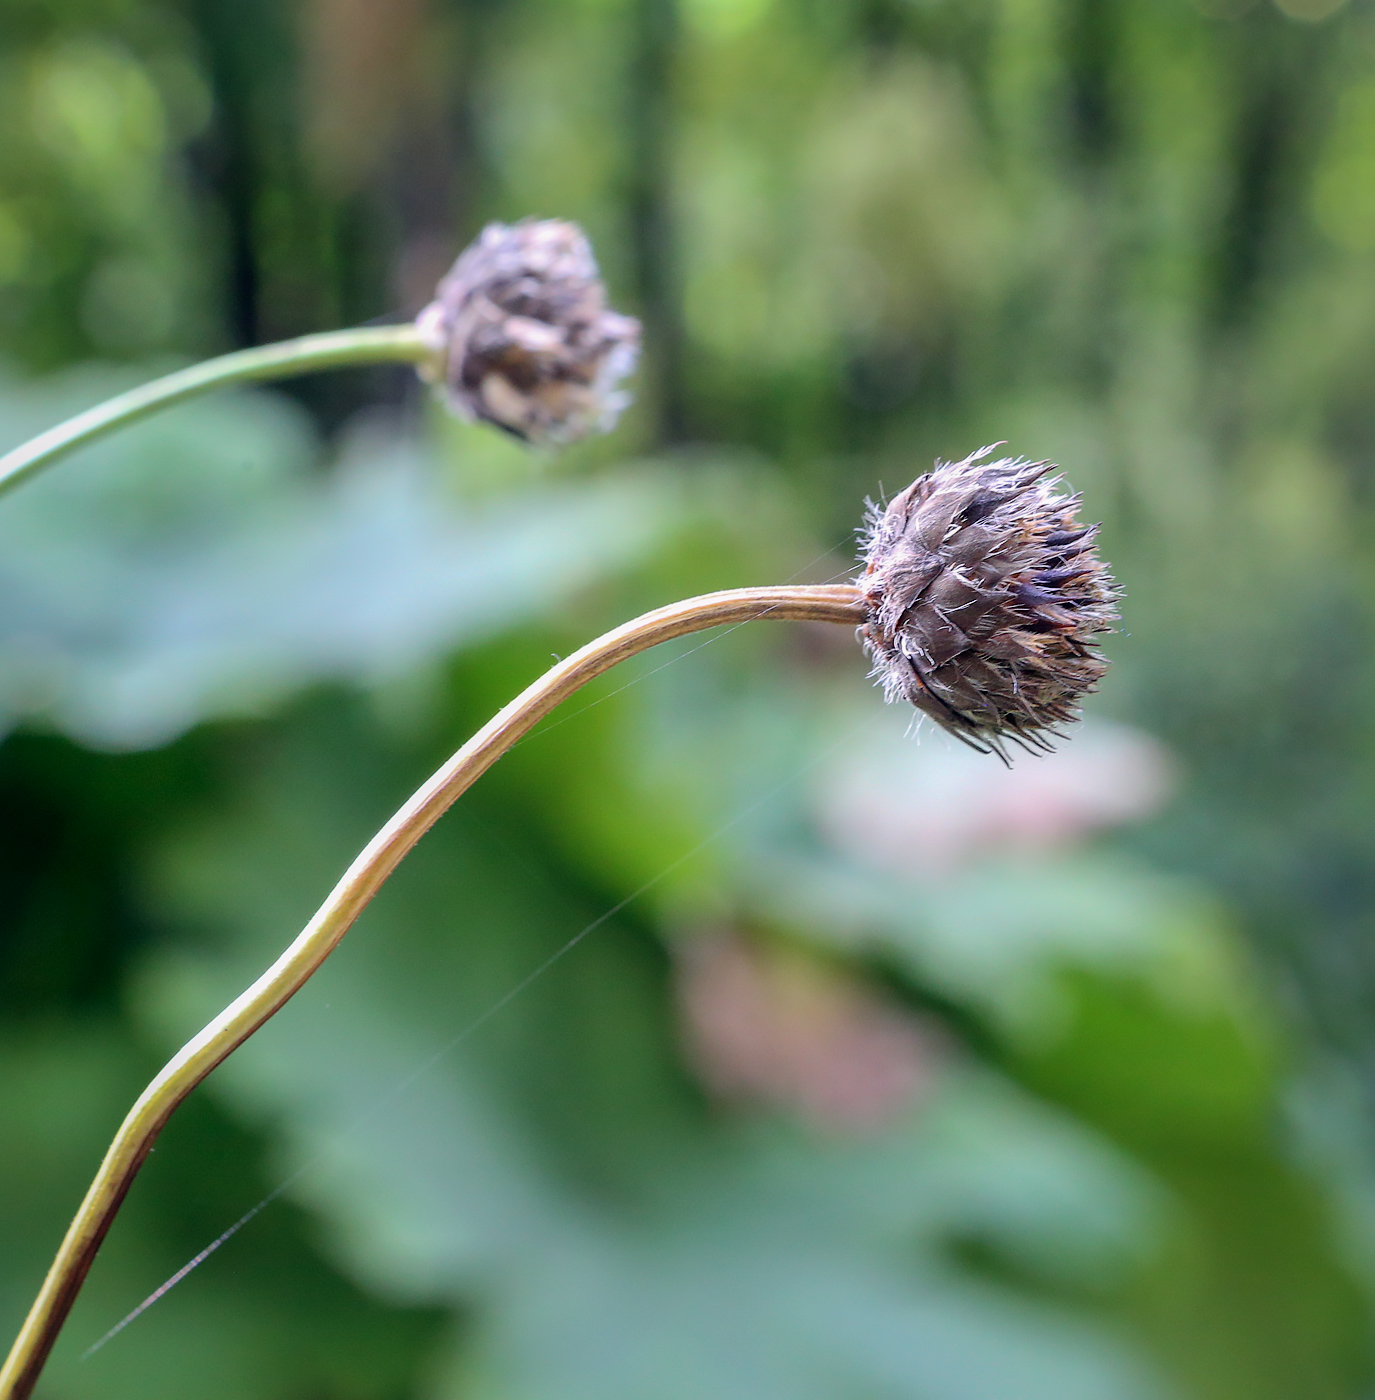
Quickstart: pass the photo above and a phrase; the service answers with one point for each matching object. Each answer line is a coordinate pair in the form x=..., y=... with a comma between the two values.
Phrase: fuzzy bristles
x=985, y=601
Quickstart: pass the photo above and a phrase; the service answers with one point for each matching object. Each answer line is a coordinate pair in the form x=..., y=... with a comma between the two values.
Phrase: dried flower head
x=525, y=337
x=985, y=599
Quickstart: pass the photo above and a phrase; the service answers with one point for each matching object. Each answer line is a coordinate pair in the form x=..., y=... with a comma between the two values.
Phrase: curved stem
x=332, y=350
x=362, y=880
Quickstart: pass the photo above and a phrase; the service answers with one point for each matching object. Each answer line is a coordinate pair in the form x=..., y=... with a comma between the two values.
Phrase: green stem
x=332, y=350
x=368, y=873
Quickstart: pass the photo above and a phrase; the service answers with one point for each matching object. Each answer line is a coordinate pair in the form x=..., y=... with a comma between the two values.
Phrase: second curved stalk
x=368, y=345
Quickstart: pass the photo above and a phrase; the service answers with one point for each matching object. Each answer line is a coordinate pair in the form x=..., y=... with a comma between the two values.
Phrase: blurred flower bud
x=524, y=336
x=985, y=599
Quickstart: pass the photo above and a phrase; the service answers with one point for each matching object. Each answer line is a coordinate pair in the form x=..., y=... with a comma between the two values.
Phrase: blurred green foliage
x=885, y=1074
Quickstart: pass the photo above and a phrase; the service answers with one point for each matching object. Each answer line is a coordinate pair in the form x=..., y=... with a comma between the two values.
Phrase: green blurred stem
x=828, y=603
x=333, y=350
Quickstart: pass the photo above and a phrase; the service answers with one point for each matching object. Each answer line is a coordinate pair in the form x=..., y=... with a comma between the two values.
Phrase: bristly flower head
x=985, y=600
x=524, y=335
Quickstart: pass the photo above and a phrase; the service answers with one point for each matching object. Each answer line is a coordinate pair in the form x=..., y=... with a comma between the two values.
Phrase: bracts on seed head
x=525, y=338
x=985, y=600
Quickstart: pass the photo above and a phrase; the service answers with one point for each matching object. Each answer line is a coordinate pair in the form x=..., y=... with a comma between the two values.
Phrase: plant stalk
x=369, y=345
x=194, y=1061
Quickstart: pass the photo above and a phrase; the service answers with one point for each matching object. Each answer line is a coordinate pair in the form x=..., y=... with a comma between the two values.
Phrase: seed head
x=525, y=337
x=985, y=599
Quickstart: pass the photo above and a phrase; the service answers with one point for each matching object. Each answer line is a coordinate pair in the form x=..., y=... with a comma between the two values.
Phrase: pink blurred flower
x=775, y=1027
x=932, y=806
